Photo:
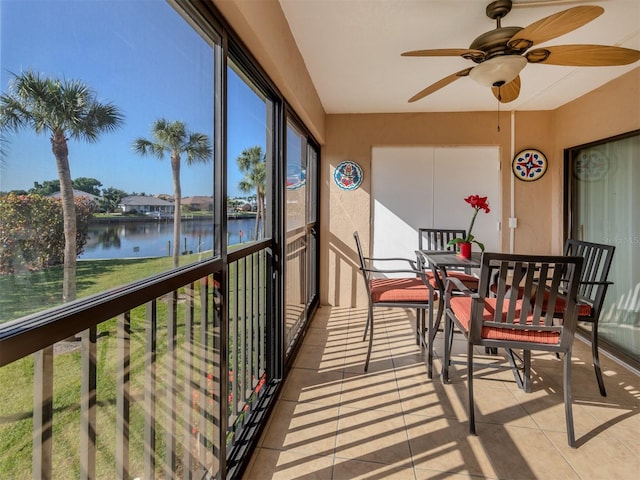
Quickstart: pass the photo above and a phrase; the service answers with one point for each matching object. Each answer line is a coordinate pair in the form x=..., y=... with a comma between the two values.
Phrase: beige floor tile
x=326, y=315
x=446, y=445
x=548, y=413
x=427, y=474
x=284, y=465
x=599, y=457
x=347, y=469
x=355, y=333
x=485, y=375
x=302, y=427
x=619, y=421
x=380, y=362
x=495, y=406
x=407, y=347
x=355, y=328
x=421, y=396
x=356, y=354
x=414, y=356
x=333, y=421
x=324, y=337
x=320, y=357
x=371, y=390
x=372, y=436
x=305, y=385
x=621, y=387
x=354, y=365
x=523, y=453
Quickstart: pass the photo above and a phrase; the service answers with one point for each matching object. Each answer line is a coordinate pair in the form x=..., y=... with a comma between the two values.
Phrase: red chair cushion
x=494, y=289
x=467, y=280
x=461, y=306
x=399, y=290
x=584, y=309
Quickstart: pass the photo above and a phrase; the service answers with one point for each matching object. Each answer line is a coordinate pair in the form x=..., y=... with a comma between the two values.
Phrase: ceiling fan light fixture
x=498, y=71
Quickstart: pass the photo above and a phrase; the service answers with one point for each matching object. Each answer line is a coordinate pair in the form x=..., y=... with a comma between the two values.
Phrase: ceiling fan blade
x=439, y=84
x=509, y=92
x=444, y=52
x=553, y=26
x=583, y=55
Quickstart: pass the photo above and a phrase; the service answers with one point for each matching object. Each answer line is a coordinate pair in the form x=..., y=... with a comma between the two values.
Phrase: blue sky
x=139, y=55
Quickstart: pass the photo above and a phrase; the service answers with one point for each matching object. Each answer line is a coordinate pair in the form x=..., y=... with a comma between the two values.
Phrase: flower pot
x=465, y=249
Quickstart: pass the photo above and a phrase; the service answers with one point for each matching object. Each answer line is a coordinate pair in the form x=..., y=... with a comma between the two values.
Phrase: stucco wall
x=538, y=206
x=533, y=206
x=609, y=110
x=351, y=137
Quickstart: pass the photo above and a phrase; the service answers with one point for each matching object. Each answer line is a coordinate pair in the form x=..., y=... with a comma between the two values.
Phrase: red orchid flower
x=477, y=203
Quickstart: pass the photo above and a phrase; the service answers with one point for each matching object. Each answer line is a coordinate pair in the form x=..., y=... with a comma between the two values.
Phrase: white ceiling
x=352, y=51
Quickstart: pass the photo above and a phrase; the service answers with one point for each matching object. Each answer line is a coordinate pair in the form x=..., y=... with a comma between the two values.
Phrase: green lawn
x=43, y=289
x=16, y=379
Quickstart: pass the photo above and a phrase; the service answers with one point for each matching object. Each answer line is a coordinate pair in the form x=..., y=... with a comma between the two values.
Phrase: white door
x=414, y=187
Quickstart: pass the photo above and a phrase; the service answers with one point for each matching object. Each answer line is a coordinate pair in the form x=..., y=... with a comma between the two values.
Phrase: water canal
x=153, y=239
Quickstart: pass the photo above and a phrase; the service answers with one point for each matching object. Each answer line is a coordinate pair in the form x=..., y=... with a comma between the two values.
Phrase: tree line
x=108, y=198
x=65, y=109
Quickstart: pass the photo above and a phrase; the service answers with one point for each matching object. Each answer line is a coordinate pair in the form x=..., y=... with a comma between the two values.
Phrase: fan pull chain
x=499, y=98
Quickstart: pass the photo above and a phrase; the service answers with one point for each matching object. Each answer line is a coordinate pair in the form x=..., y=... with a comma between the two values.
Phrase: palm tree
x=62, y=109
x=252, y=163
x=173, y=138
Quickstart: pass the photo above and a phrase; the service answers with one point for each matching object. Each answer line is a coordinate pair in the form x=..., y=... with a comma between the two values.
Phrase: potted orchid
x=464, y=244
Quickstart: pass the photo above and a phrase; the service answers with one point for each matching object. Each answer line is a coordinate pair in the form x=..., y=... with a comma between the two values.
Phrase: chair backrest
x=595, y=272
x=437, y=238
x=363, y=262
x=523, y=285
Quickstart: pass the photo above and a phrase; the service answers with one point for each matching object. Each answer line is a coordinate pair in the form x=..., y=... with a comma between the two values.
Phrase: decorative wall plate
x=529, y=165
x=348, y=175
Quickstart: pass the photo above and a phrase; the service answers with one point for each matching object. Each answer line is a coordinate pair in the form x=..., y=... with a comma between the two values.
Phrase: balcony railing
x=139, y=395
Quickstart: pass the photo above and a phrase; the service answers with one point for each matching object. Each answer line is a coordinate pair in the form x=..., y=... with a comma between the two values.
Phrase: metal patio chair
x=591, y=291
x=411, y=291
x=526, y=321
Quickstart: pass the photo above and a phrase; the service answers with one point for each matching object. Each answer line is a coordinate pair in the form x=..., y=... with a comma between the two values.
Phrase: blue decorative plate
x=529, y=165
x=348, y=175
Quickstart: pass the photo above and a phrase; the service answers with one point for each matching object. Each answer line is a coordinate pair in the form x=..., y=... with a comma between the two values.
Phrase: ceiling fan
x=502, y=53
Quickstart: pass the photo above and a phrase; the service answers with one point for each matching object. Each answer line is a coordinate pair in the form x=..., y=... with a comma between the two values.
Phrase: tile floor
x=333, y=421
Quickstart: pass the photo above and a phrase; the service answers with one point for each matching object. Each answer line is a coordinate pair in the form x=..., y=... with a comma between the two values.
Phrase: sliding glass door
x=603, y=208
x=301, y=232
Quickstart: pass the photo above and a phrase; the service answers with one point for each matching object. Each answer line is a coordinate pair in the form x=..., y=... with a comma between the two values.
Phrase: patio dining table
x=441, y=262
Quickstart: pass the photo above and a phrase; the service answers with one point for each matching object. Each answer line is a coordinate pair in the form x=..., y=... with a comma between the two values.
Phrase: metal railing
x=296, y=286
x=139, y=395
x=247, y=336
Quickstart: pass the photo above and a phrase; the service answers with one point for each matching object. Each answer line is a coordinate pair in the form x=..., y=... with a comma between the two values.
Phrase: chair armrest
x=584, y=301
x=411, y=262
x=455, y=284
x=412, y=273
x=390, y=270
